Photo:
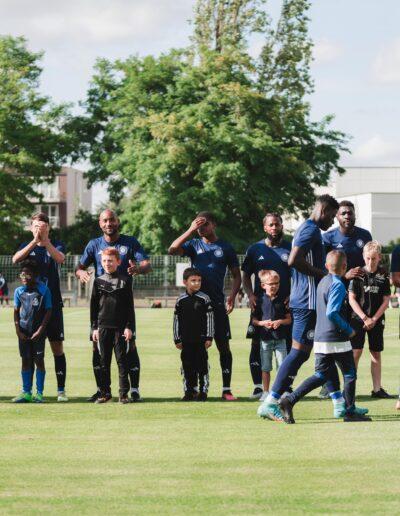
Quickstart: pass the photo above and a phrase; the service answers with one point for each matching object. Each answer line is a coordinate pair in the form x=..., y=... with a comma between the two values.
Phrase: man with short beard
x=134, y=261
x=271, y=253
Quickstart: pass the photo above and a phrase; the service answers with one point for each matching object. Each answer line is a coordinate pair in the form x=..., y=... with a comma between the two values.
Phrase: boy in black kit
x=369, y=298
x=113, y=323
x=193, y=334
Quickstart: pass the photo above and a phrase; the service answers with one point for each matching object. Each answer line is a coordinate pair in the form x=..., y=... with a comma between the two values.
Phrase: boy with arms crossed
x=273, y=318
x=32, y=312
x=193, y=334
x=369, y=298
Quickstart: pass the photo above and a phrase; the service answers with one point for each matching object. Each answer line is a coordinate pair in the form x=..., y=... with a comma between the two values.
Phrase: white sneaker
x=62, y=397
x=264, y=396
x=257, y=393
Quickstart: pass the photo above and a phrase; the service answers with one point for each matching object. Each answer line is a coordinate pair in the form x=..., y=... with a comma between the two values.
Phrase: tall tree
x=210, y=127
x=34, y=140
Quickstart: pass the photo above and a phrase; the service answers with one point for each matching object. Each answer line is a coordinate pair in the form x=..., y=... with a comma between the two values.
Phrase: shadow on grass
x=83, y=399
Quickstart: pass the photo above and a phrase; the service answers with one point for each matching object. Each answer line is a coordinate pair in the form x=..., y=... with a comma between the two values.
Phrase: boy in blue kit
x=273, y=318
x=32, y=312
x=331, y=346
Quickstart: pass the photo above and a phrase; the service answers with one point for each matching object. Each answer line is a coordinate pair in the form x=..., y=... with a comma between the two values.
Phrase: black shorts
x=222, y=328
x=31, y=348
x=375, y=336
x=55, y=327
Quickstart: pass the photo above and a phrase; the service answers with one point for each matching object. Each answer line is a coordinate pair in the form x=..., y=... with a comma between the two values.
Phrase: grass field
x=168, y=457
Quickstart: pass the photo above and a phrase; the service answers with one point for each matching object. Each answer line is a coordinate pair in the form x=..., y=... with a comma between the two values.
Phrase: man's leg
x=222, y=336
x=121, y=350
x=55, y=334
x=255, y=367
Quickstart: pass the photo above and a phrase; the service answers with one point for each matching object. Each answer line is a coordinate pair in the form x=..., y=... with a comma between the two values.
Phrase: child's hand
x=20, y=334
x=268, y=324
x=208, y=343
x=275, y=324
x=369, y=323
x=127, y=334
x=95, y=336
x=37, y=335
x=179, y=345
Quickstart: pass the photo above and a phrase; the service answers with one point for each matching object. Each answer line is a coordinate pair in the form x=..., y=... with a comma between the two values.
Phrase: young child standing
x=193, y=334
x=113, y=323
x=272, y=316
x=369, y=298
x=32, y=311
x=331, y=346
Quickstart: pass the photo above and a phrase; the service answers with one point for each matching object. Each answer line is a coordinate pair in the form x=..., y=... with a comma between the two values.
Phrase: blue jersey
x=395, y=260
x=33, y=303
x=127, y=246
x=212, y=261
x=260, y=256
x=304, y=288
x=352, y=245
x=49, y=269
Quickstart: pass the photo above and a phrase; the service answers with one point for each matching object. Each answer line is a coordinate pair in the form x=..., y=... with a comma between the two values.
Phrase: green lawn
x=164, y=456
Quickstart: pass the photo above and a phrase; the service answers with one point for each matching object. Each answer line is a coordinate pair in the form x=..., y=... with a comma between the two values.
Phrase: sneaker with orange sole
x=228, y=396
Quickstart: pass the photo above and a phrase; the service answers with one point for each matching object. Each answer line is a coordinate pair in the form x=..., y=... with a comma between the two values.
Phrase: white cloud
x=376, y=151
x=386, y=65
x=326, y=51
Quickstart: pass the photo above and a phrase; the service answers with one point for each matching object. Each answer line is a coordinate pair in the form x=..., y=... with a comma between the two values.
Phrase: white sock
x=271, y=399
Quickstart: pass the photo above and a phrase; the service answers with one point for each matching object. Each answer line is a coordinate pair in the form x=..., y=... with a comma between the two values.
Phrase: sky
x=356, y=67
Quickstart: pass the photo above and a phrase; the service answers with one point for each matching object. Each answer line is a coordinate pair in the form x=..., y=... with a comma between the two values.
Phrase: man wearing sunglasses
x=213, y=256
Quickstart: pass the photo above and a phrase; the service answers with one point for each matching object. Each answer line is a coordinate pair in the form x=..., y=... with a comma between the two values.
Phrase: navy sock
x=60, y=365
x=27, y=380
x=40, y=375
x=309, y=384
x=288, y=371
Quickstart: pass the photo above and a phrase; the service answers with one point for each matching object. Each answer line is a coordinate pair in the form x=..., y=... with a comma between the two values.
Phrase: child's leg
x=202, y=368
x=357, y=355
x=357, y=342
x=40, y=373
x=266, y=353
x=121, y=350
x=188, y=368
x=348, y=368
x=280, y=352
x=105, y=346
x=26, y=374
x=376, y=370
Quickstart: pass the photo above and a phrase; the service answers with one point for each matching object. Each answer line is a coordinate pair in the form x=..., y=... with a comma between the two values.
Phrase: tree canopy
x=211, y=127
x=34, y=136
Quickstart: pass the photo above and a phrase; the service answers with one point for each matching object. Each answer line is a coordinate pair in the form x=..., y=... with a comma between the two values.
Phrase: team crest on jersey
x=218, y=253
x=123, y=249
x=285, y=257
x=360, y=243
x=310, y=334
x=35, y=302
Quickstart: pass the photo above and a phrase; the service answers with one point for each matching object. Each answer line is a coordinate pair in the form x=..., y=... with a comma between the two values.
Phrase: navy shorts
x=375, y=336
x=55, y=327
x=31, y=348
x=222, y=328
x=303, y=328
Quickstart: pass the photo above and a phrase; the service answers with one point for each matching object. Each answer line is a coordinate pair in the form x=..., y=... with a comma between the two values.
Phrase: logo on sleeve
x=285, y=257
x=310, y=334
x=360, y=243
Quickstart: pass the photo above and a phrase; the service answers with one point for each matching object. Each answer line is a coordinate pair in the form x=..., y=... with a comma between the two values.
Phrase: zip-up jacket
x=111, y=304
x=193, y=318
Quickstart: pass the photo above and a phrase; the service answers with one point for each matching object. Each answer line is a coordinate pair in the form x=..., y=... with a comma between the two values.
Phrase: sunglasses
x=24, y=275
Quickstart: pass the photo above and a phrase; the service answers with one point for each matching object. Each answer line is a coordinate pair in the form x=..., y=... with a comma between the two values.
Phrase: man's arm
x=143, y=267
x=237, y=281
x=56, y=254
x=131, y=322
x=94, y=307
x=248, y=288
x=86, y=259
x=298, y=261
x=176, y=247
x=395, y=279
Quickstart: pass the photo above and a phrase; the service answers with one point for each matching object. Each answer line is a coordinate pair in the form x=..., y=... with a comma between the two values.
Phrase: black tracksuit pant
x=195, y=366
x=112, y=339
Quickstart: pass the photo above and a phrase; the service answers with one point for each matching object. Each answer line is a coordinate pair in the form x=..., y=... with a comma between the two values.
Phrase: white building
x=375, y=193
x=64, y=197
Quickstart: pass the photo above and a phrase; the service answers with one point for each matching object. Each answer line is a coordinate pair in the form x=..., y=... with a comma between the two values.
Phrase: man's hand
x=230, y=304
x=95, y=336
x=356, y=272
x=36, y=234
x=179, y=345
x=199, y=221
x=38, y=333
x=252, y=302
x=128, y=334
x=208, y=343
x=133, y=268
x=83, y=276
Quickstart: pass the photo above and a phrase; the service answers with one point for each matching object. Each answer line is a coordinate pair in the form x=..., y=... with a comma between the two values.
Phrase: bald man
x=134, y=261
